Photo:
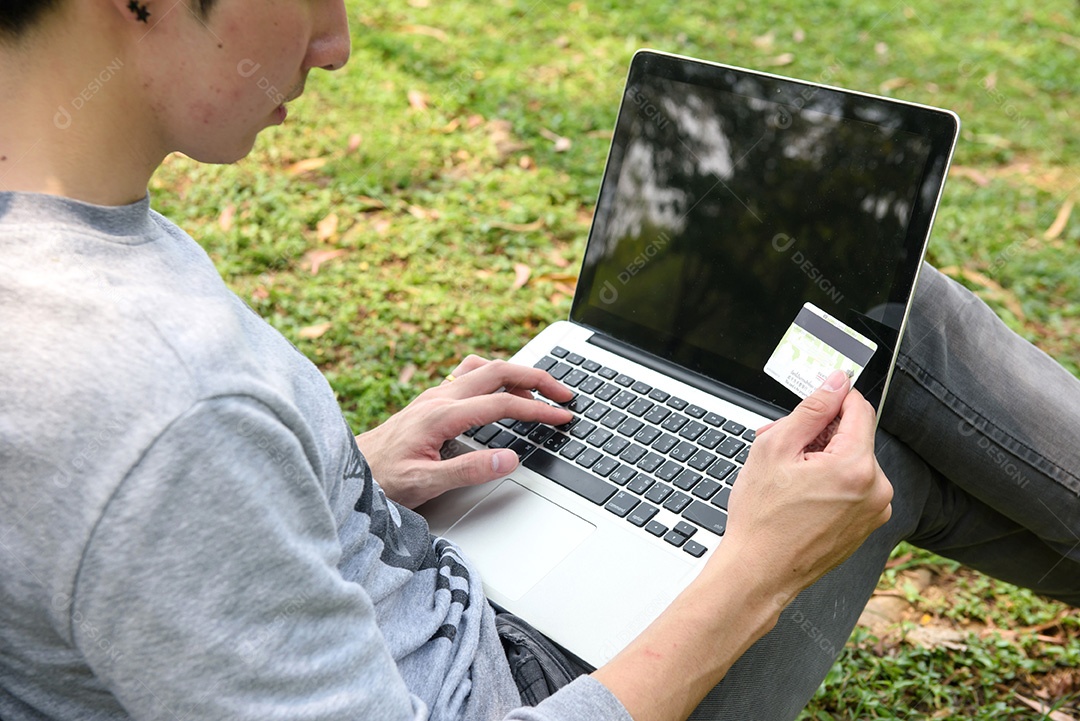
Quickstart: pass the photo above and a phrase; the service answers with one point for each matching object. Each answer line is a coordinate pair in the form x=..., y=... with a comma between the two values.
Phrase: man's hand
x=403, y=452
x=812, y=490
x=810, y=494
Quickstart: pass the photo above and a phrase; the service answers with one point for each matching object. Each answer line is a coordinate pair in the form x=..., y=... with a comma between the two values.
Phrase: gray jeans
x=981, y=441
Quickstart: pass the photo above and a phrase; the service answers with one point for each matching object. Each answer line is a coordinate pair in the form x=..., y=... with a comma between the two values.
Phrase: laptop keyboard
x=633, y=449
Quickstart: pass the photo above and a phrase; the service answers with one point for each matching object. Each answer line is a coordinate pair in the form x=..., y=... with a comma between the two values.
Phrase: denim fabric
x=538, y=666
x=979, y=437
x=981, y=441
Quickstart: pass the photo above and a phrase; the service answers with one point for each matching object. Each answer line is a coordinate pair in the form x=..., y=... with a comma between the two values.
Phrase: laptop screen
x=732, y=198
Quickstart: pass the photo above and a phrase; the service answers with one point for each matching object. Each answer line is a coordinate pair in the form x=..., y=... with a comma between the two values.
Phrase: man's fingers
x=481, y=410
x=810, y=417
x=496, y=375
x=479, y=466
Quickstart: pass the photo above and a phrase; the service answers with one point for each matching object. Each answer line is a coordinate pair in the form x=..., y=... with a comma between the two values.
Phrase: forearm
x=672, y=665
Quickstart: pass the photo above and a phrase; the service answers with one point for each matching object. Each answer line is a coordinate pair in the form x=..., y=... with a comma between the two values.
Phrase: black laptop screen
x=730, y=199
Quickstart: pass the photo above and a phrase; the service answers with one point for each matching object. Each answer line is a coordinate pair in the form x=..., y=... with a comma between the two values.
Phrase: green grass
x=444, y=196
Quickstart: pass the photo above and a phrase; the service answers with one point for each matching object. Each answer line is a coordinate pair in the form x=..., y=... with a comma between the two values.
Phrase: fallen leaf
x=225, y=220
x=407, y=373
x=418, y=100
x=369, y=203
x=971, y=174
x=782, y=59
x=314, y=259
x=452, y=126
x=1045, y=710
x=519, y=227
x=425, y=30
x=1060, y=221
x=764, y=42
x=556, y=259
x=526, y=163
x=423, y=213
x=521, y=275
x=326, y=228
x=314, y=331
x=305, y=166
x=893, y=84
x=562, y=144
x=354, y=142
x=260, y=293
x=1071, y=41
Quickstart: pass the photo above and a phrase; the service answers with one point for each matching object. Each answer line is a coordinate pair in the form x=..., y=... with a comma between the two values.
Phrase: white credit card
x=814, y=346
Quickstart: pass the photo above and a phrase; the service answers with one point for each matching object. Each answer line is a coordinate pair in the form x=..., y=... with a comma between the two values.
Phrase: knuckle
x=815, y=404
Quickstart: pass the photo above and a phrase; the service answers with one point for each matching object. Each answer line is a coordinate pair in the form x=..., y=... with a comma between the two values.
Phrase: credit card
x=814, y=346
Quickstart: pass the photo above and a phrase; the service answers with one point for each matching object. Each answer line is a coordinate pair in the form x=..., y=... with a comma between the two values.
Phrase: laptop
x=752, y=233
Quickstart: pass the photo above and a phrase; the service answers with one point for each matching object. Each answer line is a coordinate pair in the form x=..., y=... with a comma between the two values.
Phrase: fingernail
x=836, y=380
x=503, y=461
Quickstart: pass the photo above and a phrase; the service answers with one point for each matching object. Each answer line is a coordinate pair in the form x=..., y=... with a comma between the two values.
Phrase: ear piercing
x=140, y=11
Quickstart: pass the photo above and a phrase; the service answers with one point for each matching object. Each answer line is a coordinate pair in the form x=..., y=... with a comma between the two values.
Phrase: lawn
x=433, y=198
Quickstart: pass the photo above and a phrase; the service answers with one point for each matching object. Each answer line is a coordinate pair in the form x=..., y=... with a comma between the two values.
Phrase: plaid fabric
x=539, y=667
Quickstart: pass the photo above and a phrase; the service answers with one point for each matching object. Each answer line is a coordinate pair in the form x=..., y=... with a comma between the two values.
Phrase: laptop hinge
x=721, y=390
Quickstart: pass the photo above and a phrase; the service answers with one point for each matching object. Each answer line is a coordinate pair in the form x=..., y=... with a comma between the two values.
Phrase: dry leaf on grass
x=971, y=174
x=425, y=30
x=1044, y=709
x=354, y=142
x=782, y=59
x=407, y=373
x=305, y=166
x=561, y=144
x=225, y=220
x=1060, y=221
x=314, y=259
x=326, y=228
x=518, y=227
x=314, y=331
x=521, y=275
x=418, y=100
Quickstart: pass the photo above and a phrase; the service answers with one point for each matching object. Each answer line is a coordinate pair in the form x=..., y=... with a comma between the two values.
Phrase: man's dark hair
x=17, y=16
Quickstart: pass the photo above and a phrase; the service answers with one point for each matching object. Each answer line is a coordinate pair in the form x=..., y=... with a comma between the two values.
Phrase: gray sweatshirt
x=187, y=529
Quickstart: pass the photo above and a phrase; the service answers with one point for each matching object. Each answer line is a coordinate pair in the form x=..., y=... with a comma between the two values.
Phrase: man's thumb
x=482, y=466
x=816, y=411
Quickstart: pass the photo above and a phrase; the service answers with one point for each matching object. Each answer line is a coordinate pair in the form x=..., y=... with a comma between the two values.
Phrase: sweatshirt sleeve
x=209, y=588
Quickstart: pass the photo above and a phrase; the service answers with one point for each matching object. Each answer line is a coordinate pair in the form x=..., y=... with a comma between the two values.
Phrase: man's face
x=213, y=83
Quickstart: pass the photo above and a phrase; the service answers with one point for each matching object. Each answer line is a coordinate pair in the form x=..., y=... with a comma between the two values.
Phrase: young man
x=190, y=529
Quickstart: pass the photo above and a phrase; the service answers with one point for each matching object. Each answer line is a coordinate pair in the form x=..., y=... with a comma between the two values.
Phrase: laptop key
x=624, y=399
x=591, y=366
x=674, y=423
x=715, y=419
x=720, y=500
x=607, y=373
x=556, y=442
x=622, y=504
x=604, y=466
x=694, y=548
x=647, y=435
x=642, y=514
x=694, y=411
x=743, y=455
x=692, y=430
x=720, y=469
x=588, y=458
x=545, y=363
x=658, y=395
x=706, y=489
x=599, y=437
x=607, y=392
x=687, y=480
x=522, y=447
x=613, y=419
x=575, y=359
x=590, y=384
x=656, y=528
x=559, y=352
x=669, y=470
x=486, y=433
x=630, y=426
x=574, y=377
x=683, y=451
x=616, y=445
x=730, y=447
x=657, y=415
x=675, y=538
x=622, y=475
x=633, y=453
x=572, y=450
x=507, y=422
x=569, y=476
x=624, y=380
x=650, y=462
x=685, y=529
x=596, y=411
x=502, y=440
x=582, y=429
x=658, y=493
x=749, y=435
x=677, y=403
x=580, y=404
x=701, y=460
x=559, y=370
x=732, y=477
x=676, y=503
x=524, y=428
x=640, y=484
x=708, y=517
x=641, y=388
x=665, y=443
x=639, y=407
x=734, y=428
x=710, y=438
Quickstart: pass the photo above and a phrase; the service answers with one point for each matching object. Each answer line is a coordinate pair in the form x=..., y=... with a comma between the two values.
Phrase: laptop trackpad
x=518, y=537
